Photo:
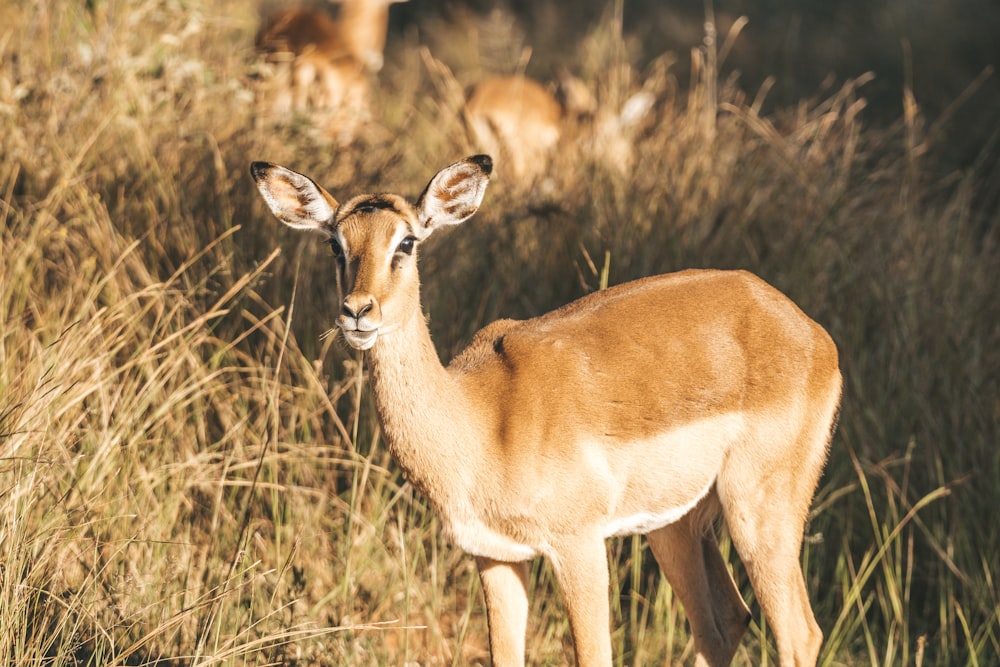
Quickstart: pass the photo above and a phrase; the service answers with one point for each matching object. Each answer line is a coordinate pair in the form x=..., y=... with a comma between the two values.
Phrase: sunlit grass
x=191, y=472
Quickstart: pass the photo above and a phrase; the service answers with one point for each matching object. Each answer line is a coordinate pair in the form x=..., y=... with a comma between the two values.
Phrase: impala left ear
x=454, y=194
x=293, y=198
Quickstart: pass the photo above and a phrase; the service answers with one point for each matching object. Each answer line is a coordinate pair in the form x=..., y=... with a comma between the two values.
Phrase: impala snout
x=360, y=319
x=356, y=309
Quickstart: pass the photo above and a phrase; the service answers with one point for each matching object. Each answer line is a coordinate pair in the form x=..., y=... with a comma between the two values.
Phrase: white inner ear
x=453, y=196
x=432, y=214
x=317, y=209
x=296, y=200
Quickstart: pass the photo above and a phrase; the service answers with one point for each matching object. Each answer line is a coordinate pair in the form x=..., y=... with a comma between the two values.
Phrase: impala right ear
x=294, y=199
x=454, y=194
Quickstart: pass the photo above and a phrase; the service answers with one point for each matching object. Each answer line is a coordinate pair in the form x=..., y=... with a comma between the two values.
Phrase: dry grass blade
x=190, y=474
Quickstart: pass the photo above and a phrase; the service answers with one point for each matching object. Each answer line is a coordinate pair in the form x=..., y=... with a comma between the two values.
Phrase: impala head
x=374, y=238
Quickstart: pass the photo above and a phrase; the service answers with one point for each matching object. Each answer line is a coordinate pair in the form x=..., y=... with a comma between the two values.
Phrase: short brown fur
x=650, y=407
x=517, y=117
x=325, y=64
x=526, y=123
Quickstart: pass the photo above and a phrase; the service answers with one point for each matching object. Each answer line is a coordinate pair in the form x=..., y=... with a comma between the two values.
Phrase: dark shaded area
x=945, y=51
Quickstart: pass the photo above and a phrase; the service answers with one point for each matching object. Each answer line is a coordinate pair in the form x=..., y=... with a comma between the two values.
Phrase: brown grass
x=190, y=473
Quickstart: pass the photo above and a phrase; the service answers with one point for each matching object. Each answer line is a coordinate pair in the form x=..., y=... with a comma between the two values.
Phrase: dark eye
x=406, y=245
x=335, y=248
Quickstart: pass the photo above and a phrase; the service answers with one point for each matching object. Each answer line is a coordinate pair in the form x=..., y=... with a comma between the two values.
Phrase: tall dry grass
x=190, y=472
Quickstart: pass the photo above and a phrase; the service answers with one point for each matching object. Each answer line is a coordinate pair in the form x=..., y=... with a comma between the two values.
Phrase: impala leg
x=581, y=567
x=769, y=540
x=282, y=88
x=776, y=576
x=505, y=587
x=303, y=74
x=730, y=611
x=332, y=87
x=690, y=559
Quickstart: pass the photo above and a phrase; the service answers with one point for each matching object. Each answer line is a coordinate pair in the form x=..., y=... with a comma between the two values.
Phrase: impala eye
x=406, y=245
x=335, y=248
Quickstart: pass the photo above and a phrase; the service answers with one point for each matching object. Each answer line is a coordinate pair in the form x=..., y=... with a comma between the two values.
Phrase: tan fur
x=652, y=407
x=324, y=65
x=526, y=123
x=516, y=117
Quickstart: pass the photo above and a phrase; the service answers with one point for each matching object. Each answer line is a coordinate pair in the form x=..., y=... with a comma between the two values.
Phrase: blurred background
x=944, y=50
x=191, y=472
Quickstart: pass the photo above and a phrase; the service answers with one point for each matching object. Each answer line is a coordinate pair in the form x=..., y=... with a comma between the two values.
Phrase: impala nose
x=356, y=311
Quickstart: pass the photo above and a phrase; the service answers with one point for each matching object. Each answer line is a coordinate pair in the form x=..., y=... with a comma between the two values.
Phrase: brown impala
x=522, y=121
x=649, y=407
x=325, y=64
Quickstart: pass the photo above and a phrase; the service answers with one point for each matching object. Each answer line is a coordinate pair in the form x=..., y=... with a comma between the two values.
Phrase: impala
x=516, y=117
x=325, y=64
x=522, y=120
x=651, y=407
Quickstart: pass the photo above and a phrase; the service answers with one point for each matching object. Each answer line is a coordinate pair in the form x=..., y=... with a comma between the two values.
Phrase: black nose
x=349, y=312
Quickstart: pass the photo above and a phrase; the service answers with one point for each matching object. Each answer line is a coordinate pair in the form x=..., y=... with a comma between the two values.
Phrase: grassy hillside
x=191, y=472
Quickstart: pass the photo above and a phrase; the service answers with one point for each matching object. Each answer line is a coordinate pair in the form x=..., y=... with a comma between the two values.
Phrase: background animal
x=526, y=122
x=324, y=65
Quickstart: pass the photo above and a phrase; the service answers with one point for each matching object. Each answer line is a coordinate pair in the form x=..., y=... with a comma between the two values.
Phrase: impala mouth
x=360, y=340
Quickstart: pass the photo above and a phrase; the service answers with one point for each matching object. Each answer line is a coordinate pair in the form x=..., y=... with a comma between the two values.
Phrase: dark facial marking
x=371, y=204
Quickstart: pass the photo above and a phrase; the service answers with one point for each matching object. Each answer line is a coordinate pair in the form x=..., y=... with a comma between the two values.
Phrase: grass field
x=191, y=473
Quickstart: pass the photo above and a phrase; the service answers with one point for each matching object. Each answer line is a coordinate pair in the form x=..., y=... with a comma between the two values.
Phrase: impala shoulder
x=486, y=346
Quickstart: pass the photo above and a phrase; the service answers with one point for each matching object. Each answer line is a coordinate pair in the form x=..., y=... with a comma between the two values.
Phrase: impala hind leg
x=772, y=563
x=768, y=538
x=505, y=587
x=688, y=554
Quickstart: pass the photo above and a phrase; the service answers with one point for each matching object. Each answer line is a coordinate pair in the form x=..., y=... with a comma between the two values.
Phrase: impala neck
x=422, y=410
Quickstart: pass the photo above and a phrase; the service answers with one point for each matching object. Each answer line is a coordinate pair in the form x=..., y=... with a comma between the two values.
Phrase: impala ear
x=294, y=199
x=454, y=194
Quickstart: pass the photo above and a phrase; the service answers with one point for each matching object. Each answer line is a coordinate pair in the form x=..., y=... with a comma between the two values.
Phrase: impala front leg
x=581, y=565
x=505, y=587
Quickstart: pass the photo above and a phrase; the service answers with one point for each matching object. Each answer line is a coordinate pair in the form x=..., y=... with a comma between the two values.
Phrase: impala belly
x=646, y=522
x=476, y=538
x=615, y=488
x=666, y=476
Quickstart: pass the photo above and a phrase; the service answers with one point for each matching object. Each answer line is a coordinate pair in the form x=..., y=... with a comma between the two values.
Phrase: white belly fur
x=475, y=538
x=645, y=522
x=479, y=540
